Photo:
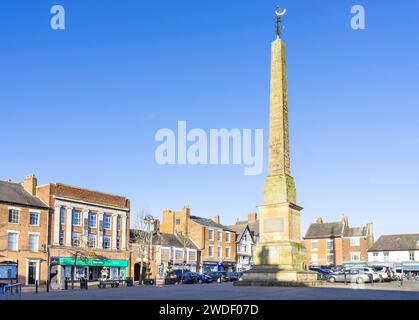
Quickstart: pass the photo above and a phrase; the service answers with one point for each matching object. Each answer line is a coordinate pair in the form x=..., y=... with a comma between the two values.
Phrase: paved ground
x=226, y=291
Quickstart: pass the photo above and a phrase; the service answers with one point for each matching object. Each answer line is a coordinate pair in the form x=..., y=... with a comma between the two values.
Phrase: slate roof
x=240, y=229
x=356, y=232
x=14, y=193
x=396, y=242
x=209, y=223
x=325, y=230
x=164, y=239
x=253, y=226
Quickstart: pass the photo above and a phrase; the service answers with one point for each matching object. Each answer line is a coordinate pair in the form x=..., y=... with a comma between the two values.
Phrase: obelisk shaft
x=279, y=186
x=279, y=160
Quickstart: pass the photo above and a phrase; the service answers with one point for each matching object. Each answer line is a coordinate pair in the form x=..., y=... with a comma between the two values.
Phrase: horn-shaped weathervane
x=279, y=13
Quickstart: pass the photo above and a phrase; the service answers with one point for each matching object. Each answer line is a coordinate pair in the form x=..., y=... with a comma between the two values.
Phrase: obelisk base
x=275, y=277
x=290, y=271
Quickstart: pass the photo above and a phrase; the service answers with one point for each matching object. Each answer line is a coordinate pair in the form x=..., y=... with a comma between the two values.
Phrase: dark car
x=218, y=276
x=189, y=278
x=177, y=274
x=203, y=278
x=322, y=273
x=231, y=276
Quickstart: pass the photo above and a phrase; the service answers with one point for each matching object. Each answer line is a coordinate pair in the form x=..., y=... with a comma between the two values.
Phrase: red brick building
x=336, y=243
x=88, y=233
x=24, y=231
x=217, y=243
x=169, y=252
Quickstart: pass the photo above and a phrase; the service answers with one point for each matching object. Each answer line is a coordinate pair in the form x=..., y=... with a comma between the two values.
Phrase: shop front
x=163, y=268
x=211, y=266
x=90, y=269
x=229, y=266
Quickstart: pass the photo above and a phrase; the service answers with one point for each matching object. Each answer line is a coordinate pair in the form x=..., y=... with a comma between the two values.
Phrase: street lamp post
x=149, y=222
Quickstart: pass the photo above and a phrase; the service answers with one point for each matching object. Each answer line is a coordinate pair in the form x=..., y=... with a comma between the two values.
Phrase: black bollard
x=36, y=286
x=47, y=285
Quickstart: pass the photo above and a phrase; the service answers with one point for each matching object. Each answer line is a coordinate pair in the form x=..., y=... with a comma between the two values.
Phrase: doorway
x=32, y=271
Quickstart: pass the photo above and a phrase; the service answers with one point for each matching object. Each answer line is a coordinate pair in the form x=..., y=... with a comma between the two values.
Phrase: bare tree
x=82, y=252
x=142, y=237
x=184, y=239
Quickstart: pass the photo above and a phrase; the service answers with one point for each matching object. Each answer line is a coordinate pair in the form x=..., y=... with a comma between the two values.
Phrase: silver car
x=352, y=275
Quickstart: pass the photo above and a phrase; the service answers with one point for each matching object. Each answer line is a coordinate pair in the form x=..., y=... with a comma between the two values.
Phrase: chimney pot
x=253, y=216
x=30, y=183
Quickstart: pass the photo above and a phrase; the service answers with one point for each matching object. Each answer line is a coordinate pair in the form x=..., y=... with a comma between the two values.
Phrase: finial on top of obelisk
x=279, y=13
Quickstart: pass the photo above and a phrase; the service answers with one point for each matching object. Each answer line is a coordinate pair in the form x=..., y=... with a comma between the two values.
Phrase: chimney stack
x=216, y=219
x=30, y=183
x=157, y=225
x=344, y=220
x=252, y=216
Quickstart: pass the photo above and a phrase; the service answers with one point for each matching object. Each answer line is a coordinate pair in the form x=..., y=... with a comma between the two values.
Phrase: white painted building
x=245, y=243
x=393, y=250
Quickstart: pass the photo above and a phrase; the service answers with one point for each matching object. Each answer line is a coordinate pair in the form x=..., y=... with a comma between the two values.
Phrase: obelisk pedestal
x=279, y=256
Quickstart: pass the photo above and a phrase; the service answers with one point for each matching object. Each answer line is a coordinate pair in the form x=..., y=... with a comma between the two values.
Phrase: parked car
x=203, y=278
x=383, y=272
x=231, y=276
x=218, y=276
x=322, y=273
x=369, y=270
x=189, y=278
x=177, y=274
x=398, y=274
x=357, y=275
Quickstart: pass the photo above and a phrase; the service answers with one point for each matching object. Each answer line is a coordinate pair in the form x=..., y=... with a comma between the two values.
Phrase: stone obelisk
x=279, y=256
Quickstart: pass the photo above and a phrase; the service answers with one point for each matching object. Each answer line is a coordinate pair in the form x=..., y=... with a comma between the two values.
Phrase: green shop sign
x=90, y=262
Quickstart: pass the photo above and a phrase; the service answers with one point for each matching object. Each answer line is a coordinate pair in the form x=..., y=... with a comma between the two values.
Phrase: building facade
x=216, y=243
x=169, y=252
x=88, y=233
x=395, y=251
x=244, y=247
x=336, y=243
x=23, y=231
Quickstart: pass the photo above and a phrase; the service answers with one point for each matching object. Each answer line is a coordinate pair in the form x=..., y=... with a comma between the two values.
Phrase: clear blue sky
x=82, y=106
